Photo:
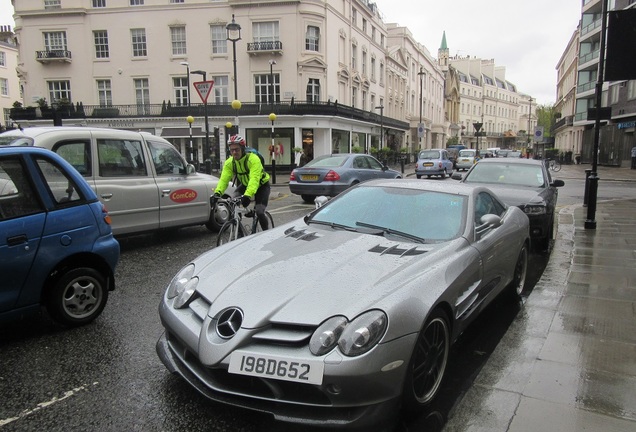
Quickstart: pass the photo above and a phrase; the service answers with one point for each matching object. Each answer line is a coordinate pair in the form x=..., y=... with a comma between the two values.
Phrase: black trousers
x=261, y=199
x=633, y=162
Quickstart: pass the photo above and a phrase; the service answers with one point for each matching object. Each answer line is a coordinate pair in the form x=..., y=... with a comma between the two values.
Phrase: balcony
x=270, y=47
x=53, y=56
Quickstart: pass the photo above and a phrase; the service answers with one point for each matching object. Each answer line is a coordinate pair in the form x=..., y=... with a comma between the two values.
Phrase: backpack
x=257, y=153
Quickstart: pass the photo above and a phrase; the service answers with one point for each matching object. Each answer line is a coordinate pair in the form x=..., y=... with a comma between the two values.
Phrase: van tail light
x=107, y=218
x=332, y=176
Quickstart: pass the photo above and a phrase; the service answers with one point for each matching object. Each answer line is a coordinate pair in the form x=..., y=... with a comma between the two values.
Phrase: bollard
x=273, y=172
x=587, y=187
x=402, y=165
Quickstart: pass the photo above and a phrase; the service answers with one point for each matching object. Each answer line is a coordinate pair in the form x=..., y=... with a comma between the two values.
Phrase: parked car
x=390, y=273
x=330, y=175
x=56, y=248
x=453, y=152
x=466, y=159
x=525, y=183
x=433, y=162
x=143, y=179
x=502, y=153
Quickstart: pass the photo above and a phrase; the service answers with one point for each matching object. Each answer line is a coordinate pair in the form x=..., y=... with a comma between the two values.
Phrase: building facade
x=9, y=84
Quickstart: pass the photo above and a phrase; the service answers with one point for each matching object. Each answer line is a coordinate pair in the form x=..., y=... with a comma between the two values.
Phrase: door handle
x=106, y=196
x=165, y=192
x=16, y=240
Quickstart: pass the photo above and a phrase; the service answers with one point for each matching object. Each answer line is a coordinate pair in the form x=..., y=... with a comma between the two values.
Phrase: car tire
x=218, y=216
x=428, y=362
x=309, y=199
x=518, y=283
x=418, y=176
x=443, y=175
x=78, y=297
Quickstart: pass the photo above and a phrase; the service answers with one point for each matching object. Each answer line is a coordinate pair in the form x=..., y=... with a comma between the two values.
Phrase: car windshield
x=467, y=153
x=429, y=154
x=328, y=162
x=411, y=214
x=502, y=173
x=15, y=140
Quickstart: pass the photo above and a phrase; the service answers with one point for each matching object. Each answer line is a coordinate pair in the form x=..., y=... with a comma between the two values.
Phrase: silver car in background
x=433, y=162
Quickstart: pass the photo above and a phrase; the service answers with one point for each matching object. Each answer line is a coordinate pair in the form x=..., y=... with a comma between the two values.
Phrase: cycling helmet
x=236, y=139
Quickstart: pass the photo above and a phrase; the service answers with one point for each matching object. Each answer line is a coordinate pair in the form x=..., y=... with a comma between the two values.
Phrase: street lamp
x=236, y=105
x=271, y=83
x=187, y=65
x=477, y=126
x=206, y=146
x=529, y=112
x=234, y=35
x=381, y=108
x=272, y=117
x=190, y=120
x=421, y=73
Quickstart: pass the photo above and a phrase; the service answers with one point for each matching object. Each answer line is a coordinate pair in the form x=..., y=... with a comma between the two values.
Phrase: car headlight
x=182, y=281
x=353, y=338
x=534, y=209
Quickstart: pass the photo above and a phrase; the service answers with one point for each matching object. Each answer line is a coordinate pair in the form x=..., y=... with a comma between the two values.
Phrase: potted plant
x=19, y=112
x=357, y=149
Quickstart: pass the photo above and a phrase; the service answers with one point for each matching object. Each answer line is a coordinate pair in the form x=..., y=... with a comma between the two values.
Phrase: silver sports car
x=386, y=276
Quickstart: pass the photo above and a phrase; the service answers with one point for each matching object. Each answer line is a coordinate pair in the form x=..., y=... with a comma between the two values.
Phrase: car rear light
x=107, y=218
x=439, y=164
x=332, y=176
x=292, y=176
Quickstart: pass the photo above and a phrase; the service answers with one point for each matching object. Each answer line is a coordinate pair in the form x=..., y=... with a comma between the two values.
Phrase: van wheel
x=78, y=297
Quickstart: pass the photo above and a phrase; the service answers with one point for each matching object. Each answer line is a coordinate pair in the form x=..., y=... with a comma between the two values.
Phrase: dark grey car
x=330, y=175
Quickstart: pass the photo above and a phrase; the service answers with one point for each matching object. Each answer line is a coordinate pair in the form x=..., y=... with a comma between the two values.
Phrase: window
x=382, y=41
x=136, y=2
x=59, y=90
x=372, y=68
x=119, y=158
x=381, y=73
x=21, y=199
x=313, y=90
x=220, y=88
x=364, y=26
x=3, y=58
x=99, y=3
x=219, y=39
x=4, y=87
x=178, y=38
x=52, y=4
x=614, y=93
x=139, y=42
x=101, y=44
x=265, y=31
x=373, y=33
x=354, y=16
x=142, y=95
x=354, y=54
x=312, y=39
x=364, y=100
x=180, y=86
x=631, y=90
x=104, y=93
x=364, y=62
x=263, y=88
x=176, y=1
x=354, y=96
x=55, y=41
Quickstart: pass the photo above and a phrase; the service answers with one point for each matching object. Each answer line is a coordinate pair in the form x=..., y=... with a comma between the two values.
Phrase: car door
x=184, y=198
x=124, y=183
x=376, y=168
x=22, y=220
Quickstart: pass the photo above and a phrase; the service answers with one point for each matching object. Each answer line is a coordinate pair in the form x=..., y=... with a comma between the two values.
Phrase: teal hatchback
x=56, y=244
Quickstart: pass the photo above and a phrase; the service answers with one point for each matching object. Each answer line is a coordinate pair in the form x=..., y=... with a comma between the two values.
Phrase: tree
x=546, y=117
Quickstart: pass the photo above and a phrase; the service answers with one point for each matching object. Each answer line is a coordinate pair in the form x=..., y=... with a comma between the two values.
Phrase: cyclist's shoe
x=250, y=214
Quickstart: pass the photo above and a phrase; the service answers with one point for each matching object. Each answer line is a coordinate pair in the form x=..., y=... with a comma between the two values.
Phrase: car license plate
x=312, y=177
x=465, y=160
x=428, y=164
x=276, y=367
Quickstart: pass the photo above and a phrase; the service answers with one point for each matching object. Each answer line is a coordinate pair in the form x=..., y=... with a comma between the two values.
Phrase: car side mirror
x=558, y=183
x=320, y=201
x=488, y=222
x=457, y=176
x=190, y=169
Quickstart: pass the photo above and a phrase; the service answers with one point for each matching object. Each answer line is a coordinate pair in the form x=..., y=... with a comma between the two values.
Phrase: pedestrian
x=634, y=157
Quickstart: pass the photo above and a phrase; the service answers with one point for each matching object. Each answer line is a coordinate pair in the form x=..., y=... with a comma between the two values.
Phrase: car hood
x=304, y=274
x=518, y=195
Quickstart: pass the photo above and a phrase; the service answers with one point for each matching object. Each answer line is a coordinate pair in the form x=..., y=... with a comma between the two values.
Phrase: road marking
x=291, y=208
x=46, y=404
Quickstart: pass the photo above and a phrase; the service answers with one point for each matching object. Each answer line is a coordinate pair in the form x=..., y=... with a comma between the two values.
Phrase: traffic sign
x=204, y=88
x=420, y=130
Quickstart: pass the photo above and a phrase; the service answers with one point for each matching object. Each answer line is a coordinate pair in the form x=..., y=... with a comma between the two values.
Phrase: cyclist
x=245, y=169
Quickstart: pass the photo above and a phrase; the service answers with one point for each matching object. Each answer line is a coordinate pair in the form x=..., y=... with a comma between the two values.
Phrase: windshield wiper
x=332, y=225
x=385, y=230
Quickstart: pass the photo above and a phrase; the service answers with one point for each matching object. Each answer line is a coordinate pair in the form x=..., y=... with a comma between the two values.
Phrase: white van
x=142, y=179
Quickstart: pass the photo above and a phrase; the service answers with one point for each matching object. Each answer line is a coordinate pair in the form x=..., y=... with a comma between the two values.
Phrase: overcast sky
x=527, y=37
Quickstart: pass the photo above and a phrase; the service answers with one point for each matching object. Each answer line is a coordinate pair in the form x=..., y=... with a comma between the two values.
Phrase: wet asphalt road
x=106, y=376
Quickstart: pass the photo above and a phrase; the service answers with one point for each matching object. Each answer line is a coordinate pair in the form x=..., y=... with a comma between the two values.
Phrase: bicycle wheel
x=230, y=230
x=556, y=166
x=256, y=227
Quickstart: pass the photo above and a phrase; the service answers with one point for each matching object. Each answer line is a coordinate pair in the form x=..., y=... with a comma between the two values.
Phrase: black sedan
x=330, y=175
x=525, y=183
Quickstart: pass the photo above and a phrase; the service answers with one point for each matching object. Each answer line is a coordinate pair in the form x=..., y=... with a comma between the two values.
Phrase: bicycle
x=234, y=227
x=554, y=165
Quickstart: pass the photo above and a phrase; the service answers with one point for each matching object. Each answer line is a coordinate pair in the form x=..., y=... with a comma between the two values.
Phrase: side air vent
x=395, y=250
x=301, y=234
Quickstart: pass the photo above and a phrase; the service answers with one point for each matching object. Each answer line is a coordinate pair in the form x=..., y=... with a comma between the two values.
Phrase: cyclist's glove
x=214, y=198
x=245, y=201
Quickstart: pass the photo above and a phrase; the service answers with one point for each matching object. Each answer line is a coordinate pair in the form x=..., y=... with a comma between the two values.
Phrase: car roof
x=41, y=130
x=444, y=187
x=508, y=161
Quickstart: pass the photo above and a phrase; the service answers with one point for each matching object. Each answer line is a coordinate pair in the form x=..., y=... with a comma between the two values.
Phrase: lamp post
x=236, y=105
x=234, y=35
x=381, y=108
x=477, y=126
x=271, y=84
x=272, y=117
x=190, y=120
x=187, y=65
x=529, y=117
x=421, y=74
x=206, y=145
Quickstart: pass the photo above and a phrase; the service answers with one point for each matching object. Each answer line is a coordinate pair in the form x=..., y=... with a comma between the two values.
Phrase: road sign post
x=204, y=88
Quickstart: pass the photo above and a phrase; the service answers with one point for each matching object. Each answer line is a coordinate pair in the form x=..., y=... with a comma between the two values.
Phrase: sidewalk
x=568, y=361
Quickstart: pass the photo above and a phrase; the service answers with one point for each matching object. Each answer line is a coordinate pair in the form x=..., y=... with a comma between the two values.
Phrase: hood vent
x=395, y=250
x=301, y=234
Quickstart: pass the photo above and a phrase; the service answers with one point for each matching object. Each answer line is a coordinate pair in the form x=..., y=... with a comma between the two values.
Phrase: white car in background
x=142, y=179
x=466, y=159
